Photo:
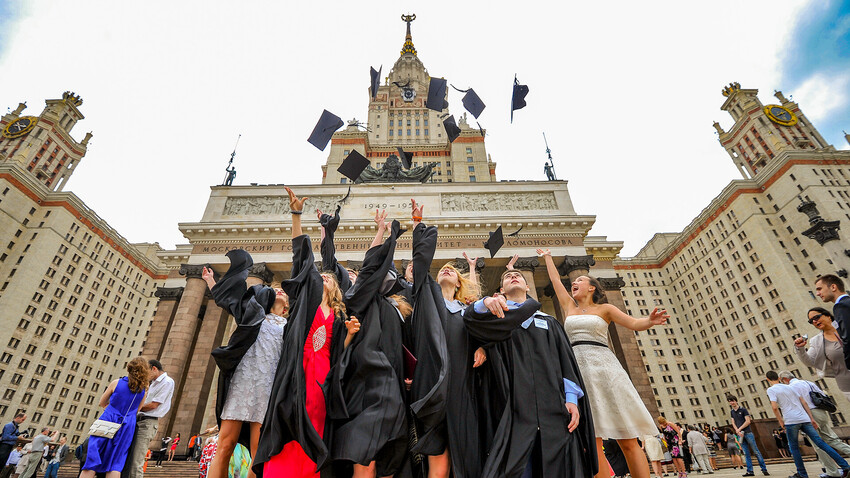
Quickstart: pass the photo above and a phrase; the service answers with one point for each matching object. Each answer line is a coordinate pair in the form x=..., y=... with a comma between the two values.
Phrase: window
x=472, y=179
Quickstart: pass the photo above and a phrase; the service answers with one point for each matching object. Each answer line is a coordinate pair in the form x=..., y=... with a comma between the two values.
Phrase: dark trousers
x=7, y=472
x=534, y=468
x=160, y=456
x=5, y=450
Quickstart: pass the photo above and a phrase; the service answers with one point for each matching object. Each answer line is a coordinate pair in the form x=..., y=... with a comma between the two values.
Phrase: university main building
x=77, y=301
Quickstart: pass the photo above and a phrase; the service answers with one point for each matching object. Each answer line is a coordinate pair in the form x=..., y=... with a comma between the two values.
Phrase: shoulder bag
x=822, y=400
x=107, y=429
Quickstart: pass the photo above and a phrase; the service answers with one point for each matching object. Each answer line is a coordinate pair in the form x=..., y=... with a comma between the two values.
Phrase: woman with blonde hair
x=318, y=330
x=121, y=402
x=673, y=435
x=443, y=401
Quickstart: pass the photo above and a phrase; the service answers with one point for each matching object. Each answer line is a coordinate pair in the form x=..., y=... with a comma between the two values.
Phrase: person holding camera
x=826, y=350
x=9, y=439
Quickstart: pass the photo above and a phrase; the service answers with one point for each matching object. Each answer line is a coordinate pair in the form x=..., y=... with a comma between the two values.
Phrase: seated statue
x=392, y=172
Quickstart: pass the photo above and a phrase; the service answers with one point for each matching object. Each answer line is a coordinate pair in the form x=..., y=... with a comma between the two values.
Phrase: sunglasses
x=813, y=319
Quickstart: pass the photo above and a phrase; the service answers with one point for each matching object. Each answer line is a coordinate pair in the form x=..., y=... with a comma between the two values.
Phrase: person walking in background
x=121, y=402
x=830, y=288
x=779, y=443
x=157, y=404
x=673, y=435
x=37, y=450
x=12, y=462
x=733, y=447
x=698, y=445
x=174, y=444
x=741, y=420
x=59, y=455
x=795, y=417
x=163, y=450
x=654, y=453
x=190, y=447
x=804, y=388
x=199, y=445
x=9, y=439
x=25, y=459
x=826, y=349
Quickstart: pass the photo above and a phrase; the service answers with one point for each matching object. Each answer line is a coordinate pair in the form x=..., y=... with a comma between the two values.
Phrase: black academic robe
x=328, y=251
x=365, y=388
x=532, y=364
x=286, y=418
x=248, y=306
x=429, y=389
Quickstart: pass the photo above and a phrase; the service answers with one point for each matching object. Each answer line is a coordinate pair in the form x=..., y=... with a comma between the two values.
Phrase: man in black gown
x=544, y=424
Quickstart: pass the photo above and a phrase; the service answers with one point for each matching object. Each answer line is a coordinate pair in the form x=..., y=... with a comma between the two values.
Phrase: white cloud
x=821, y=94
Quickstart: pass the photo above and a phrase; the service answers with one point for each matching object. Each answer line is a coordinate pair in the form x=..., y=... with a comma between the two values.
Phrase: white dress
x=618, y=411
x=251, y=384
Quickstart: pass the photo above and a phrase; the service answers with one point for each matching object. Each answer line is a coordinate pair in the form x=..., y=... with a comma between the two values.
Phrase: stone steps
x=170, y=469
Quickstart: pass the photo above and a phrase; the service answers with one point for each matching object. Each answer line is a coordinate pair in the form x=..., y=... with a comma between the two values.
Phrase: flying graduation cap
x=325, y=128
x=376, y=78
x=406, y=158
x=472, y=102
x=452, y=129
x=437, y=95
x=518, y=97
x=496, y=241
x=353, y=165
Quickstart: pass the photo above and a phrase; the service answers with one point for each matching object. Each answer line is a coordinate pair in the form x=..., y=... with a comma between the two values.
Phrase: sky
x=625, y=91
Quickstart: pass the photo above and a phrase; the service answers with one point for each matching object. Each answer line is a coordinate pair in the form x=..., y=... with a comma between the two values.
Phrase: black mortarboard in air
x=353, y=165
x=452, y=129
x=518, y=97
x=405, y=157
x=436, y=95
x=376, y=78
x=473, y=103
x=325, y=128
x=496, y=241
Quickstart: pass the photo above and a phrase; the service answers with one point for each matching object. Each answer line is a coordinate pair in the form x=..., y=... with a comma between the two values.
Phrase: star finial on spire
x=408, y=39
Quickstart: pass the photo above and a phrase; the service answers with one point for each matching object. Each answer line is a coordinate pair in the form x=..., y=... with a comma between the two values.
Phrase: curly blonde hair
x=334, y=295
x=467, y=291
x=138, y=374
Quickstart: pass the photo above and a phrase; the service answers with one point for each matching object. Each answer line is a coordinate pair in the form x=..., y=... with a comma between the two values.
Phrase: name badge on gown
x=541, y=324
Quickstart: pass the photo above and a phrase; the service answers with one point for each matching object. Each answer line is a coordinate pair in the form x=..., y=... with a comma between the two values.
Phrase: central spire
x=408, y=39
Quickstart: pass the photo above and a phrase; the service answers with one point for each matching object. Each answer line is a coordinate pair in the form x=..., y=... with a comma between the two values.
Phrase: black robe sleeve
x=248, y=306
x=489, y=328
x=328, y=250
x=841, y=311
x=430, y=384
x=286, y=418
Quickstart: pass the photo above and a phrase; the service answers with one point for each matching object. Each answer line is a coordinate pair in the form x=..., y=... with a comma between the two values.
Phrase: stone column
x=576, y=266
x=169, y=297
x=181, y=337
x=198, y=379
x=526, y=266
x=625, y=347
x=549, y=291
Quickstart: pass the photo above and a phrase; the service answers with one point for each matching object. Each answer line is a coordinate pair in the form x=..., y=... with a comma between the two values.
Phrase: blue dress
x=104, y=454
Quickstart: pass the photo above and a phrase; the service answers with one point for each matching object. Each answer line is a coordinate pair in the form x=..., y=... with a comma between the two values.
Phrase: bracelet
x=417, y=218
x=296, y=212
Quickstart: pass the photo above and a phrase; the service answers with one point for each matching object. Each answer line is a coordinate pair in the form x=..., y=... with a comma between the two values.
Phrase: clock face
x=19, y=127
x=780, y=115
x=408, y=94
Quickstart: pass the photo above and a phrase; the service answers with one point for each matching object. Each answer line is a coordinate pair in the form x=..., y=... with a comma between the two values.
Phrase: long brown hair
x=599, y=296
x=138, y=373
x=335, y=295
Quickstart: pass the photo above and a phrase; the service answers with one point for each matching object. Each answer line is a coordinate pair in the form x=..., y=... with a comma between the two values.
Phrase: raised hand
x=658, y=317
x=416, y=211
x=295, y=204
x=511, y=262
x=207, y=276
x=496, y=305
x=381, y=218
x=544, y=252
x=479, y=357
x=472, y=261
x=800, y=342
x=319, y=214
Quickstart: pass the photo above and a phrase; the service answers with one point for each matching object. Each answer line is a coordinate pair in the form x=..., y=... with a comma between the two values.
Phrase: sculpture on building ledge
x=392, y=172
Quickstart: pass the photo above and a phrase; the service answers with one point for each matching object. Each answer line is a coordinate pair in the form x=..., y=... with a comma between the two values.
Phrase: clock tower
x=43, y=144
x=761, y=131
x=397, y=117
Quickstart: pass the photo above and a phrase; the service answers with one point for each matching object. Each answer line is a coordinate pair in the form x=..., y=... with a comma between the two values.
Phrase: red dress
x=292, y=461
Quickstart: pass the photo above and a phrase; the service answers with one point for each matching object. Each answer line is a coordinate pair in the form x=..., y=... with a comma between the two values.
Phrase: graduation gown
x=365, y=388
x=248, y=306
x=430, y=385
x=287, y=418
x=533, y=363
x=328, y=251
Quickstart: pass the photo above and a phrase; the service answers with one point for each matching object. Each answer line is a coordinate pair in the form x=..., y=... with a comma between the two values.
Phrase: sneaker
x=765, y=473
x=796, y=475
x=749, y=473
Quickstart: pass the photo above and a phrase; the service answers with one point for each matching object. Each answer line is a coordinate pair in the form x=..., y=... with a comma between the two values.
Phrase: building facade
x=76, y=299
x=465, y=207
x=740, y=277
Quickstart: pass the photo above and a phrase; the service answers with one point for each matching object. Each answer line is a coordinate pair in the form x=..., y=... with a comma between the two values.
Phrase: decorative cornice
x=463, y=267
x=354, y=265
x=549, y=290
x=823, y=231
x=612, y=283
x=168, y=293
x=576, y=263
x=526, y=263
x=261, y=271
x=193, y=271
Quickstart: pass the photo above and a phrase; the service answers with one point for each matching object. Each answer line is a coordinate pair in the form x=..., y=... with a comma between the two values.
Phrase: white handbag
x=107, y=429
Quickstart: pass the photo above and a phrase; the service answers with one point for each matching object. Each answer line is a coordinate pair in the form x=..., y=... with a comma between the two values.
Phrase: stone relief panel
x=498, y=202
x=274, y=205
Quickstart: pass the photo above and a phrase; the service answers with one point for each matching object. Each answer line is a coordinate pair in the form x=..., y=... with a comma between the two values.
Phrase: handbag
x=822, y=400
x=107, y=429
